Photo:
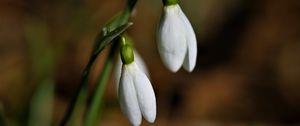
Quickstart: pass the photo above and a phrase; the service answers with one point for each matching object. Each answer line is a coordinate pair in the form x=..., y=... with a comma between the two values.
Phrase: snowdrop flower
x=177, y=44
x=136, y=94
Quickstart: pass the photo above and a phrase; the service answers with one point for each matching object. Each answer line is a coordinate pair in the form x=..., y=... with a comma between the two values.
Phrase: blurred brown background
x=247, y=73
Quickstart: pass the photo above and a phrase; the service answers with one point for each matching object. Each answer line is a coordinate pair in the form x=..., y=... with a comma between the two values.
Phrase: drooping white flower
x=177, y=44
x=136, y=95
x=135, y=91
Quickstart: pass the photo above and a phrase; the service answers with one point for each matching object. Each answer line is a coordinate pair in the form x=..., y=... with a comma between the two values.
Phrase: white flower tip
x=149, y=108
x=135, y=120
x=150, y=117
x=149, y=111
x=191, y=55
x=189, y=66
x=188, y=69
x=172, y=64
x=145, y=94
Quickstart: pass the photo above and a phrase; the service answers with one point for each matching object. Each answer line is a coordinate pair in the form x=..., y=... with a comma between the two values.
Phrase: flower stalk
x=94, y=109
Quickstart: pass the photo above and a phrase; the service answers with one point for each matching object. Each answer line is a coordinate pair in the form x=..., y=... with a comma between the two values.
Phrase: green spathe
x=127, y=55
x=170, y=2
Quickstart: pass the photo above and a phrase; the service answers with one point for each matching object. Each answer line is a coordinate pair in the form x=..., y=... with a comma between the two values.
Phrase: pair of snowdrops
x=177, y=46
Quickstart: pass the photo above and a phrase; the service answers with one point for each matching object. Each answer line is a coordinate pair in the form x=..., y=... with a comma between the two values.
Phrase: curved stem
x=80, y=92
x=93, y=112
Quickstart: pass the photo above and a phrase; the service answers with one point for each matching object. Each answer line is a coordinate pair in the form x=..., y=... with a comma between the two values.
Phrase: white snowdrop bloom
x=177, y=44
x=136, y=95
x=135, y=91
x=139, y=62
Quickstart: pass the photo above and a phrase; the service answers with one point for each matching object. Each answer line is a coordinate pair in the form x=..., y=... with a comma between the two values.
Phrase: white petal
x=128, y=97
x=171, y=38
x=118, y=70
x=140, y=63
x=145, y=93
x=191, y=55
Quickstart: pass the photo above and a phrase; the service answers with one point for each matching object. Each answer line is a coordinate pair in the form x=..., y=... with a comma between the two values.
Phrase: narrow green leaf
x=76, y=118
x=106, y=40
x=41, y=105
x=110, y=26
x=118, y=20
x=94, y=108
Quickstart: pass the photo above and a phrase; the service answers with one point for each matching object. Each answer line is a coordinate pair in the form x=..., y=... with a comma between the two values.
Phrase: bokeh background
x=247, y=73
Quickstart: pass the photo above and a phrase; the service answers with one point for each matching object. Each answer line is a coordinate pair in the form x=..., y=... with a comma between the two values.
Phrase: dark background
x=247, y=73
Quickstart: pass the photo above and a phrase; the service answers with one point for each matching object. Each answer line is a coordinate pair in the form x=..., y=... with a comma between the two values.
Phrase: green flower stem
x=80, y=94
x=170, y=2
x=113, y=29
x=94, y=110
x=75, y=119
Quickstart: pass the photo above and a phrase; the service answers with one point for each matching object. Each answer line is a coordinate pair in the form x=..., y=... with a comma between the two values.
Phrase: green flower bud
x=170, y=2
x=126, y=52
